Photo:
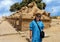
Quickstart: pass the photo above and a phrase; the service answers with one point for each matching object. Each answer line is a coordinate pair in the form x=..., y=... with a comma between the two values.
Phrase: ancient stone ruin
x=25, y=15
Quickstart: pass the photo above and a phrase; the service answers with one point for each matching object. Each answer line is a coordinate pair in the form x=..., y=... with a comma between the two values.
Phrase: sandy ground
x=6, y=28
x=53, y=33
x=9, y=34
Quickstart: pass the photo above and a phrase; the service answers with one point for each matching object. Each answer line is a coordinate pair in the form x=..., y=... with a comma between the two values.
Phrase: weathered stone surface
x=28, y=13
x=6, y=28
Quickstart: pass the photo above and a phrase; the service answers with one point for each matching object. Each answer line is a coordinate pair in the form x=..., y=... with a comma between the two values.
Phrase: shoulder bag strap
x=38, y=26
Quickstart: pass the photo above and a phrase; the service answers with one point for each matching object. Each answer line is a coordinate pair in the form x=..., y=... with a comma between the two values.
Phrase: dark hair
x=35, y=19
x=38, y=14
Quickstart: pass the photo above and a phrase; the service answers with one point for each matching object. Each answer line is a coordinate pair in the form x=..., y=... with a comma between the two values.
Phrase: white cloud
x=53, y=6
x=6, y=5
x=49, y=1
x=56, y=9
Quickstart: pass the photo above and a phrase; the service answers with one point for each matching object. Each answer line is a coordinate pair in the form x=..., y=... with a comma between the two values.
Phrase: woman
x=34, y=30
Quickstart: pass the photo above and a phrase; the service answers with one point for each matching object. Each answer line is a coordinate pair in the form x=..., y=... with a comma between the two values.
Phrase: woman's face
x=38, y=18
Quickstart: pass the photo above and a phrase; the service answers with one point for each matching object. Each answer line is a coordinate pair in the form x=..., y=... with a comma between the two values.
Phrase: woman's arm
x=31, y=26
x=30, y=34
x=42, y=26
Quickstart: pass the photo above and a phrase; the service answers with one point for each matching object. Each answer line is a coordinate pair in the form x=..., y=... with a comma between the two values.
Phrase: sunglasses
x=39, y=16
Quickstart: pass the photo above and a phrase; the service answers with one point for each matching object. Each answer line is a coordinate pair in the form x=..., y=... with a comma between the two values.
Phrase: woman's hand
x=30, y=34
x=30, y=37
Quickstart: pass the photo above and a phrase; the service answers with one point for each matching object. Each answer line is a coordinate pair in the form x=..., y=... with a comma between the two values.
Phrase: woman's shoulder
x=32, y=21
x=41, y=21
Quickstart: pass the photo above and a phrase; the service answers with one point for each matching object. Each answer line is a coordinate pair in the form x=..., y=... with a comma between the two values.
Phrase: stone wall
x=24, y=16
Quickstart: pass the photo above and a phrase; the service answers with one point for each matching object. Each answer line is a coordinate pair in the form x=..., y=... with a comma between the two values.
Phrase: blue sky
x=52, y=6
x=5, y=6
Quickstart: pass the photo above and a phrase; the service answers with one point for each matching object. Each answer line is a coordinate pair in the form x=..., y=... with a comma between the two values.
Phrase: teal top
x=35, y=30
